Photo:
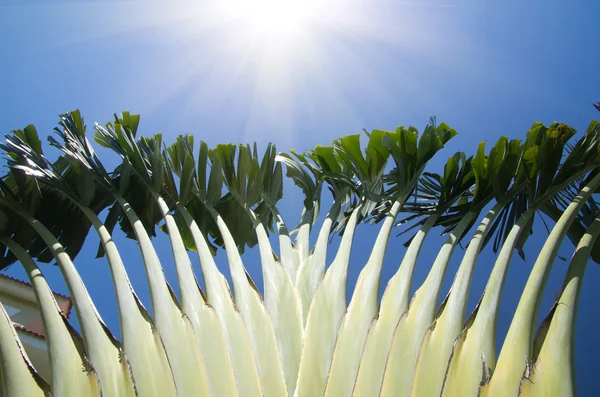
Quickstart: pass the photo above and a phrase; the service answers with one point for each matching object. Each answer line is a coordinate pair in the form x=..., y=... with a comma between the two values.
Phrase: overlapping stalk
x=395, y=300
x=303, y=339
x=507, y=375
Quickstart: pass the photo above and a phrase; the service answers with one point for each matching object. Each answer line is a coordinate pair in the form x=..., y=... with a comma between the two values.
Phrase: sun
x=272, y=57
x=274, y=20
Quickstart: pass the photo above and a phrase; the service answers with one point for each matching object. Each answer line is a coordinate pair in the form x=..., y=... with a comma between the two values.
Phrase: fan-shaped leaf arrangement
x=300, y=336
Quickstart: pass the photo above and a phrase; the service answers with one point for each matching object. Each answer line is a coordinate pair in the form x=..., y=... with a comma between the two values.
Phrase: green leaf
x=348, y=148
x=215, y=181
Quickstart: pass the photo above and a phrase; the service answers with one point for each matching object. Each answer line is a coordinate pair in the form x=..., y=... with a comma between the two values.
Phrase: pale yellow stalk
x=206, y=325
x=394, y=304
x=475, y=350
x=65, y=348
x=257, y=319
x=174, y=328
x=16, y=372
x=436, y=348
x=553, y=372
x=102, y=349
x=219, y=297
x=324, y=319
x=281, y=299
x=143, y=346
x=402, y=358
x=516, y=352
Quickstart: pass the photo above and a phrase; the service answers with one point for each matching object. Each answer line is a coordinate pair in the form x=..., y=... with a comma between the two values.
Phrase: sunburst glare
x=274, y=20
x=274, y=61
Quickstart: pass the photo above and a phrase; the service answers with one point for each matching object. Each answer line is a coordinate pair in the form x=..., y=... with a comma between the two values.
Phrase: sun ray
x=275, y=62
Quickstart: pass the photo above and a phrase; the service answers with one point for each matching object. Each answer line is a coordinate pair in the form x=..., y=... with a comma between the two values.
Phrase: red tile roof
x=24, y=329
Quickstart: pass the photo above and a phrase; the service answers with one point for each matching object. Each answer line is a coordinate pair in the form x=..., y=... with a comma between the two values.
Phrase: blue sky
x=487, y=68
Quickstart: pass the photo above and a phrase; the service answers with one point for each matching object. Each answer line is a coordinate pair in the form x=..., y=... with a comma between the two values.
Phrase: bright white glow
x=274, y=20
x=271, y=63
